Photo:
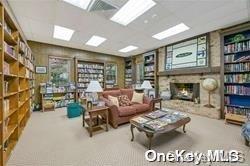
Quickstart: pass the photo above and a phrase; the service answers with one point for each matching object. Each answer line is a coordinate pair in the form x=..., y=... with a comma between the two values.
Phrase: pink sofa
x=120, y=115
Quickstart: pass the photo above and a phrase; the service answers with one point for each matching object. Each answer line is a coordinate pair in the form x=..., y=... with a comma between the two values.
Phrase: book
x=156, y=124
x=156, y=114
x=140, y=120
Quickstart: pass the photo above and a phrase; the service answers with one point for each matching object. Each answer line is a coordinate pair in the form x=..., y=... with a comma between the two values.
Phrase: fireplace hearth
x=185, y=91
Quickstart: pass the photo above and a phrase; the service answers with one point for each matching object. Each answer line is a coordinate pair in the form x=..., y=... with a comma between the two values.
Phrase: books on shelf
x=7, y=28
x=6, y=106
x=233, y=58
x=6, y=68
x=241, y=67
x=9, y=49
x=237, y=47
x=237, y=110
x=237, y=89
x=237, y=78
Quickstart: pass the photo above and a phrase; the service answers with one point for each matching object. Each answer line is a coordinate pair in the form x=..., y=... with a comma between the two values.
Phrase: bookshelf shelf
x=129, y=65
x=237, y=77
x=87, y=71
x=15, y=60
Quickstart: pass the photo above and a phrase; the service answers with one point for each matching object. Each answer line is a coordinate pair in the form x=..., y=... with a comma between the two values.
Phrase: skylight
x=171, y=31
x=131, y=10
x=62, y=33
x=95, y=41
x=128, y=49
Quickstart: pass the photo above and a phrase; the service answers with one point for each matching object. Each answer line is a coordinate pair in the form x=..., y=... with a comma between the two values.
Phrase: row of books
x=6, y=87
x=232, y=58
x=149, y=68
x=237, y=67
x=237, y=78
x=100, y=79
x=90, y=76
x=128, y=71
x=7, y=27
x=90, y=66
x=85, y=85
x=237, y=89
x=6, y=68
x=62, y=103
x=50, y=88
x=81, y=70
x=237, y=47
x=236, y=110
x=6, y=107
x=10, y=50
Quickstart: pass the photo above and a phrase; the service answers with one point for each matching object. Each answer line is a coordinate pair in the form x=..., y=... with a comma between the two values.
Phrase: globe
x=209, y=84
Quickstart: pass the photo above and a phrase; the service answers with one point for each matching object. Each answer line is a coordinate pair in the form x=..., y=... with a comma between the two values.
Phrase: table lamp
x=94, y=87
x=146, y=85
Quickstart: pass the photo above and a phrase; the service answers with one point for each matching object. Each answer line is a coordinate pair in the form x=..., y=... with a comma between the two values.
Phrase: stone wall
x=164, y=82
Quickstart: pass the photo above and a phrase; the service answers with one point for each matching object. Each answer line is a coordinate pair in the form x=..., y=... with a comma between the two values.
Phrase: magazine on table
x=156, y=114
x=140, y=119
x=155, y=124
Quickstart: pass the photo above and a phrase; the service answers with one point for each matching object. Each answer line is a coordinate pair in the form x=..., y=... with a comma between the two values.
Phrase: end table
x=98, y=116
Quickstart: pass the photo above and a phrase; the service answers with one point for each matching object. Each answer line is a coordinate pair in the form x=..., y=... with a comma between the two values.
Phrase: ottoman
x=74, y=110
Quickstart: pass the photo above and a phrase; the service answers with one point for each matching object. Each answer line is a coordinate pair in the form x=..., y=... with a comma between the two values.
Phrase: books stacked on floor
x=157, y=120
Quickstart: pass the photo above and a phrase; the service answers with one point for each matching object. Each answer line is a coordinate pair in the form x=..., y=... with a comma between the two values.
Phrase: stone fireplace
x=185, y=91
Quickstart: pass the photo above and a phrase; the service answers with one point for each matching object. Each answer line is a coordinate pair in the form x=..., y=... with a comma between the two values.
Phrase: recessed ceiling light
x=128, y=49
x=131, y=10
x=95, y=41
x=171, y=31
x=62, y=33
x=79, y=3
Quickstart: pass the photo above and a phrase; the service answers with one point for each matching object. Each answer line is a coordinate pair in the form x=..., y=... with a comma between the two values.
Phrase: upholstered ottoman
x=246, y=132
x=74, y=110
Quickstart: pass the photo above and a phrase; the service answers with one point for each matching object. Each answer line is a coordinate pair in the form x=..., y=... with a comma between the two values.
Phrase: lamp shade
x=94, y=86
x=146, y=85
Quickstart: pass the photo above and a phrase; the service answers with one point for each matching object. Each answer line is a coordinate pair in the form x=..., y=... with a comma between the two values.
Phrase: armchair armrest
x=113, y=110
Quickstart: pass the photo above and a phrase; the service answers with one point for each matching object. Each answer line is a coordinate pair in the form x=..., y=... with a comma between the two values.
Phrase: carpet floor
x=51, y=139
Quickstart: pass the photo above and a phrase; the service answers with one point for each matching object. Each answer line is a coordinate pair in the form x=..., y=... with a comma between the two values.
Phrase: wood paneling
x=42, y=51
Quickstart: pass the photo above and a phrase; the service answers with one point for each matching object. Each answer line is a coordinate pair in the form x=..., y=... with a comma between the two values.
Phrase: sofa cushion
x=126, y=111
x=114, y=93
x=114, y=100
x=140, y=108
x=128, y=92
x=124, y=100
x=137, y=97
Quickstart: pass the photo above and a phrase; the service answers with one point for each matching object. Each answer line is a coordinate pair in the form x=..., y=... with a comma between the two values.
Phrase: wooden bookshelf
x=85, y=71
x=236, y=78
x=151, y=68
x=17, y=79
x=128, y=72
x=57, y=96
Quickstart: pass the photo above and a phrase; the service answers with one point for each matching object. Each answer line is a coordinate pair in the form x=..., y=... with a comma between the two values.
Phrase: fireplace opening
x=185, y=91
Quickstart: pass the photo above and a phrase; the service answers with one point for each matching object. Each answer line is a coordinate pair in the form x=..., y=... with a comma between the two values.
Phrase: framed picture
x=41, y=69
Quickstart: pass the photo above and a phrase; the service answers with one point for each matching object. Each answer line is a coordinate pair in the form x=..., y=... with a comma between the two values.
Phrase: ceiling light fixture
x=131, y=10
x=62, y=33
x=171, y=31
x=79, y=3
x=95, y=41
x=128, y=49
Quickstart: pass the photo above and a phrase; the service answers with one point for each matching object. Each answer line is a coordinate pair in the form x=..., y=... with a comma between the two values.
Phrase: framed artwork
x=187, y=54
x=41, y=70
x=59, y=70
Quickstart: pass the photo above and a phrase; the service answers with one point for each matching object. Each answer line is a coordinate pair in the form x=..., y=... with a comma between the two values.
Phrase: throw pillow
x=124, y=100
x=114, y=100
x=137, y=97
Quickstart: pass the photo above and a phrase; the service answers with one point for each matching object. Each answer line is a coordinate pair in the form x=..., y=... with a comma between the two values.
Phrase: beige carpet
x=51, y=139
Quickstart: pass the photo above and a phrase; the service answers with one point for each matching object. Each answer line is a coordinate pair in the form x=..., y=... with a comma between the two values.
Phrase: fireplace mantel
x=190, y=71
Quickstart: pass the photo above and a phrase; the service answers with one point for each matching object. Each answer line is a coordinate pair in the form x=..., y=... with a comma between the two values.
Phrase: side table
x=98, y=117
